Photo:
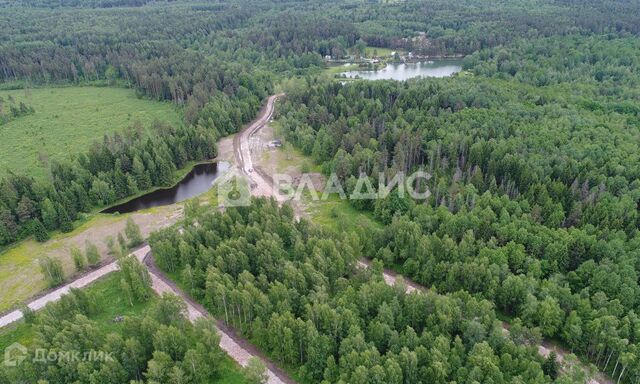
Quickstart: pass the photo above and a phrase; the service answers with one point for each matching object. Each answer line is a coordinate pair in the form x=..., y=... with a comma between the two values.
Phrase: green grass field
x=378, y=52
x=339, y=215
x=20, y=274
x=67, y=120
x=335, y=69
x=112, y=303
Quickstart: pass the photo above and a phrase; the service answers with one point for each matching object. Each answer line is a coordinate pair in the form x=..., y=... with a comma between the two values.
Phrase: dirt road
x=235, y=346
x=80, y=282
x=262, y=185
x=544, y=349
x=239, y=349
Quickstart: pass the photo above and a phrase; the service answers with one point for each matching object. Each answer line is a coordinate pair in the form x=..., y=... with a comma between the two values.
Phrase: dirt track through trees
x=238, y=348
x=263, y=186
x=544, y=349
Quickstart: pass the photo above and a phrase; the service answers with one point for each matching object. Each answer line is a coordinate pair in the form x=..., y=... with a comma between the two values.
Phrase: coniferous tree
x=8, y=226
x=49, y=215
x=140, y=174
x=65, y=223
x=551, y=366
x=39, y=231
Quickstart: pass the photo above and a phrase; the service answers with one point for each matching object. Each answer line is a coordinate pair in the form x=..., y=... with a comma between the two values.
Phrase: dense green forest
x=535, y=181
x=533, y=148
x=295, y=290
x=219, y=60
x=219, y=97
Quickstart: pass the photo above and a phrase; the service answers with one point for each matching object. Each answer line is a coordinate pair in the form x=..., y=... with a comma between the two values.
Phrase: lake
x=197, y=181
x=404, y=71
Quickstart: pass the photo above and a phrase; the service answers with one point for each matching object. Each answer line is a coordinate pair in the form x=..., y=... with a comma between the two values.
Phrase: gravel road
x=56, y=294
x=390, y=278
x=260, y=186
x=235, y=346
x=238, y=348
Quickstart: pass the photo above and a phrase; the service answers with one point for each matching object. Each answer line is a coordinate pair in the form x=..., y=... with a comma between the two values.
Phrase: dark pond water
x=435, y=68
x=197, y=181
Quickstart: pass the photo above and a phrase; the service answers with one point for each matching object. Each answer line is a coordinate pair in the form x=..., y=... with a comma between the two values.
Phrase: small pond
x=197, y=181
x=404, y=71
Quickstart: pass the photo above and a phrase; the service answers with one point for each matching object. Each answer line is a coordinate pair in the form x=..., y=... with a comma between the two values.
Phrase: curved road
x=262, y=186
x=238, y=348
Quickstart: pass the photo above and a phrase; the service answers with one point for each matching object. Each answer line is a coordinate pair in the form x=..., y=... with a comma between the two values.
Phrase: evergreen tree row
x=119, y=166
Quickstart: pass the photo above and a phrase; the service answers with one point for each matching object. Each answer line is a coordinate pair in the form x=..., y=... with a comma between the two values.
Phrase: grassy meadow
x=378, y=52
x=20, y=274
x=67, y=120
